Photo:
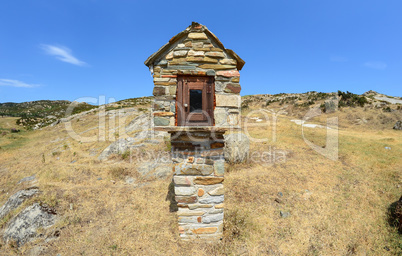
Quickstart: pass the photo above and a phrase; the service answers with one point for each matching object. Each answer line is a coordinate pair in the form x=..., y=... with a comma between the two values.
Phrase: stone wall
x=198, y=176
x=196, y=52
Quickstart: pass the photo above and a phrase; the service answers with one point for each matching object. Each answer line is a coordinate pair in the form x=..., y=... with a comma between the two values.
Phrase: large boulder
x=16, y=200
x=142, y=134
x=23, y=227
x=398, y=125
x=398, y=214
x=237, y=146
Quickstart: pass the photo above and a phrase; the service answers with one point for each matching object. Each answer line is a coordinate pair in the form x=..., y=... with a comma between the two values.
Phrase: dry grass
x=336, y=207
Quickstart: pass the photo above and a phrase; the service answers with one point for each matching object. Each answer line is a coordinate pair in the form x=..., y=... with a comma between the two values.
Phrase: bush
x=351, y=100
x=14, y=130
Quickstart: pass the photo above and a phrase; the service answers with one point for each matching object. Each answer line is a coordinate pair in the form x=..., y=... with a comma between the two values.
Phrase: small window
x=195, y=100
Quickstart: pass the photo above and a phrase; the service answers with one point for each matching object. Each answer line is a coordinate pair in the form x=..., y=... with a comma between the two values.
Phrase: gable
x=196, y=44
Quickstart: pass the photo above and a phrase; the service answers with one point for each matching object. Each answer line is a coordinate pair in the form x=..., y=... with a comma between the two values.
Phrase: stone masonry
x=196, y=51
x=198, y=176
x=197, y=151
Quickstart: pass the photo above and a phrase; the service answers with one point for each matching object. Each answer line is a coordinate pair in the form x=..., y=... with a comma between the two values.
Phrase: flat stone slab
x=23, y=227
x=16, y=200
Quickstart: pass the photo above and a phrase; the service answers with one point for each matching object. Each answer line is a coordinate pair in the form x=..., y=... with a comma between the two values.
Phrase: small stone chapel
x=197, y=100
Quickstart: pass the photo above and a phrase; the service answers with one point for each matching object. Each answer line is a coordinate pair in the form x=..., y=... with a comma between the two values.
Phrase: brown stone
x=229, y=73
x=216, y=49
x=167, y=71
x=217, y=145
x=186, y=199
x=208, y=180
x=205, y=49
x=216, y=66
x=190, y=159
x=159, y=91
x=178, y=61
x=184, y=212
x=165, y=83
x=232, y=88
x=200, y=192
x=193, y=53
x=169, y=56
x=201, y=59
x=234, y=79
x=220, y=206
x=163, y=114
x=197, y=36
x=199, y=219
x=157, y=69
x=215, y=54
x=195, y=206
x=188, y=44
x=208, y=230
x=223, y=100
x=217, y=191
x=170, y=76
x=228, y=62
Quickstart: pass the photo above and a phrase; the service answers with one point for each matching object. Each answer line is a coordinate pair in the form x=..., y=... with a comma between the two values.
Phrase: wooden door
x=195, y=101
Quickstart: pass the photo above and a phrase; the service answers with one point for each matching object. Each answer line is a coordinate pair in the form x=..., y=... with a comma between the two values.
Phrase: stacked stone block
x=198, y=176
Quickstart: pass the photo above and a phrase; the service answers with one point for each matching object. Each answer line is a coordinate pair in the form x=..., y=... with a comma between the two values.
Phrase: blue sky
x=69, y=49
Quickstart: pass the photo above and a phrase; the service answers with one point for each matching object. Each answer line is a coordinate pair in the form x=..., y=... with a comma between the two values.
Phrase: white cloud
x=376, y=65
x=62, y=53
x=338, y=59
x=16, y=83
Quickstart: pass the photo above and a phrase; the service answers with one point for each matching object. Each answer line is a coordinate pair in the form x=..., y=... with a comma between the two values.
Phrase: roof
x=193, y=27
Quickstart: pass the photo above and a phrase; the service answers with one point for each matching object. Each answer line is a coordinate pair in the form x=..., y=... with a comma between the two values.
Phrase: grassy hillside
x=297, y=202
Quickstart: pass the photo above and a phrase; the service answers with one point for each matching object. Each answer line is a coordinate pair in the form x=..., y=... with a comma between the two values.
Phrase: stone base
x=199, y=192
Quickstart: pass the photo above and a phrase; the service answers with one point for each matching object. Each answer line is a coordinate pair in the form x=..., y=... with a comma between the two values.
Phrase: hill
x=101, y=173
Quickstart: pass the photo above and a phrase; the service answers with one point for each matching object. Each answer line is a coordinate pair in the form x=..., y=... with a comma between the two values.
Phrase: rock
x=159, y=91
x=212, y=218
x=197, y=36
x=185, y=191
x=212, y=200
x=155, y=168
x=208, y=180
x=16, y=200
x=208, y=230
x=129, y=180
x=217, y=66
x=215, y=54
x=118, y=147
x=193, y=169
x=141, y=127
x=224, y=100
x=398, y=214
x=232, y=88
x=179, y=53
x=161, y=121
x=217, y=191
x=23, y=227
x=285, y=214
x=30, y=178
x=398, y=125
x=230, y=73
x=237, y=146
